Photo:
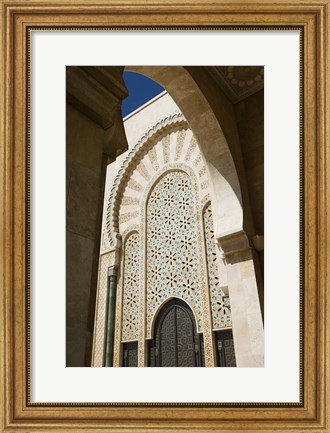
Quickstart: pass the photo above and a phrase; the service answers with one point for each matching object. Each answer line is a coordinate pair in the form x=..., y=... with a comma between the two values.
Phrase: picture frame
x=18, y=413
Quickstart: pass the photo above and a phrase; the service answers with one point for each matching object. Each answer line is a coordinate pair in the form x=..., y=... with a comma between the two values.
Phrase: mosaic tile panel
x=105, y=261
x=202, y=171
x=118, y=320
x=221, y=316
x=131, y=291
x=204, y=185
x=198, y=160
x=172, y=256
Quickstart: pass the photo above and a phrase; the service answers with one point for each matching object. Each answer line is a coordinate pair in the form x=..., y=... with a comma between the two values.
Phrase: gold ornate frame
x=17, y=414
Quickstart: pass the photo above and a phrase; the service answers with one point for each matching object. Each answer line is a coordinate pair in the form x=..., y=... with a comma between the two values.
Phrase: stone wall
x=84, y=183
x=250, y=123
x=94, y=135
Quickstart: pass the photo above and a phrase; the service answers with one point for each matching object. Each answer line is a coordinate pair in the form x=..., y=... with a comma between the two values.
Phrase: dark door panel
x=176, y=342
x=225, y=349
x=130, y=354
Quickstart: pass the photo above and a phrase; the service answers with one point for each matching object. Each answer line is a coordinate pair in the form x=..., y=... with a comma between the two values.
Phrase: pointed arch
x=228, y=212
x=112, y=238
x=175, y=341
x=131, y=287
x=160, y=307
x=172, y=254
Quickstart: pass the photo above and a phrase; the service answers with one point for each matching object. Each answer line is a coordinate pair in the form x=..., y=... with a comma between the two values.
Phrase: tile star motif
x=131, y=288
x=221, y=315
x=172, y=254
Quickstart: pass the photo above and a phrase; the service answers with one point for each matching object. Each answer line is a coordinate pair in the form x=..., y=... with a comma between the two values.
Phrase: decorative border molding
x=171, y=166
x=112, y=237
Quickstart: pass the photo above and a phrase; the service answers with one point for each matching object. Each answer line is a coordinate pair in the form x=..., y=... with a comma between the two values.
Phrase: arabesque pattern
x=172, y=257
x=221, y=316
x=158, y=210
x=131, y=292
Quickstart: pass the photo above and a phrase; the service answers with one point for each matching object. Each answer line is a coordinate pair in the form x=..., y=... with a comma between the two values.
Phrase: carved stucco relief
x=133, y=203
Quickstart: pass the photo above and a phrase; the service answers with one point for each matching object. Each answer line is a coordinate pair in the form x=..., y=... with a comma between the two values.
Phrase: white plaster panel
x=159, y=153
x=139, y=178
x=123, y=227
x=193, y=155
x=131, y=193
x=128, y=208
x=147, y=116
x=173, y=141
x=186, y=143
x=148, y=164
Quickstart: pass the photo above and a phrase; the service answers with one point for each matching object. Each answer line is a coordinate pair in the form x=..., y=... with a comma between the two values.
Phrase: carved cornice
x=113, y=271
x=112, y=237
x=96, y=92
x=233, y=243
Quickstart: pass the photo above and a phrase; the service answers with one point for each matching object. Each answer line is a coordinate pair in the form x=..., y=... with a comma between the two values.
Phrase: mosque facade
x=165, y=219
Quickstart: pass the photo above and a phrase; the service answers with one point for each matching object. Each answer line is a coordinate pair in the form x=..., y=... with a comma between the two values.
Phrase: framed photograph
x=165, y=191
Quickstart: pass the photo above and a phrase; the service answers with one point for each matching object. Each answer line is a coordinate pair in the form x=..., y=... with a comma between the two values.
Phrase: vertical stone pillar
x=209, y=352
x=110, y=315
x=248, y=330
x=94, y=133
x=142, y=342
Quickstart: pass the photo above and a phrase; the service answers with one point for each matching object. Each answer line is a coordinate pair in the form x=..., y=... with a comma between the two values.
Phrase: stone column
x=248, y=330
x=110, y=316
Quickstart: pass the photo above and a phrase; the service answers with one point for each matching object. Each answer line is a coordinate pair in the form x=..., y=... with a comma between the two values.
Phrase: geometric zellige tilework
x=172, y=260
x=221, y=315
x=130, y=323
x=105, y=262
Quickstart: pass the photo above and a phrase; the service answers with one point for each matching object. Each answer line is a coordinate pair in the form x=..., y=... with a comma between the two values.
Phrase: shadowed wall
x=94, y=136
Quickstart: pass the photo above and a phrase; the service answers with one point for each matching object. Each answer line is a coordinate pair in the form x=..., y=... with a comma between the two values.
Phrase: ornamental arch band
x=165, y=218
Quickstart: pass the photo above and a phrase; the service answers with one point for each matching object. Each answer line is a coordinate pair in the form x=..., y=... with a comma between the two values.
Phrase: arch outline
x=182, y=87
x=112, y=236
x=159, y=308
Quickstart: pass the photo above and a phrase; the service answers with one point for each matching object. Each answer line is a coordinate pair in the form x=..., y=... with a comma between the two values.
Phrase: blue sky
x=140, y=90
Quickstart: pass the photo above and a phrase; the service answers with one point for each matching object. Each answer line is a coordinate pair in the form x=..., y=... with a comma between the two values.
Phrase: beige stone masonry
x=248, y=329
